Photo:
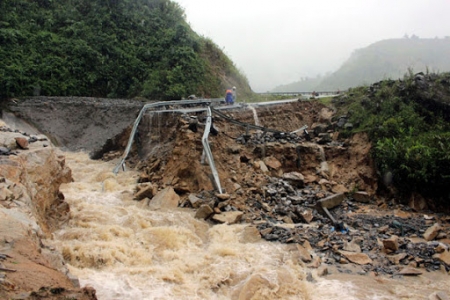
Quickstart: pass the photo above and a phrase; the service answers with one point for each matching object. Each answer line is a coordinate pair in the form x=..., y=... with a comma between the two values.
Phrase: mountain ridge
x=391, y=58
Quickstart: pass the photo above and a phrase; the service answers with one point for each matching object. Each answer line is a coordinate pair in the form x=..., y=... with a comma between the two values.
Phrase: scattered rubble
x=283, y=213
x=312, y=190
x=299, y=188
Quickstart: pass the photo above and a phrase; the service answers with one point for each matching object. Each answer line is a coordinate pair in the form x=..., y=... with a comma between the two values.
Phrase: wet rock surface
x=31, y=207
x=277, y=184
x=378, y=241
x=297, y=188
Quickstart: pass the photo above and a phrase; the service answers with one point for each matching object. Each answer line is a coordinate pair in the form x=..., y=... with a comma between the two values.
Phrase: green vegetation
x=110, y=49
x=381, y=60
x=408, y=123
x=325, y=100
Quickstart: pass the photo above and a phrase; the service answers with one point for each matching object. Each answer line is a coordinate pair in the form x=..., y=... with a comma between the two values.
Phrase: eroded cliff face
x=77, y=123
x=31, y=207
x=169, y=153
x=31, y=180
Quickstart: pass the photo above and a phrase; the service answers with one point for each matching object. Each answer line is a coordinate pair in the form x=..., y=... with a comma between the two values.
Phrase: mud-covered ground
x=276, y=182
x=76, y=123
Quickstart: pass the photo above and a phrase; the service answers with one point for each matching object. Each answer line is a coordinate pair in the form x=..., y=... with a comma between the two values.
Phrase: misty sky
x=278, y=42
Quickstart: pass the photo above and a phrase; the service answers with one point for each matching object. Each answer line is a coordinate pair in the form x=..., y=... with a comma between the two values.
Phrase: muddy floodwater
x=127, y=251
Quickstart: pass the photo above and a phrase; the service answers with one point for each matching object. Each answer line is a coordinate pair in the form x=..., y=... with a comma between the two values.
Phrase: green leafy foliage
x=407, y=120
x=107, y=48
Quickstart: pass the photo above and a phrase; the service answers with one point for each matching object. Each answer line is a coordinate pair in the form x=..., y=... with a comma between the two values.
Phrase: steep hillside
x=381, y=60
x=108, y=49
x=407, y=121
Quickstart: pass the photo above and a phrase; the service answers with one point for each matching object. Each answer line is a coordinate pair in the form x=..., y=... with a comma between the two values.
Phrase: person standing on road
x=229, y=97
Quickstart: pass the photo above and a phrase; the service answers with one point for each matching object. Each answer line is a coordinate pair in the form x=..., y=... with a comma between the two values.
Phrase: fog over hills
x=279, y=43
x=390, y=58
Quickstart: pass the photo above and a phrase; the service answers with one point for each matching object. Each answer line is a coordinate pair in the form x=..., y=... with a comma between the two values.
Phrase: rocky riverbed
x=314, y=191
x=280, y=183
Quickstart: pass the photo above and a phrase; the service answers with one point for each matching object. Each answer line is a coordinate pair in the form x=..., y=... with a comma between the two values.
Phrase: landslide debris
x=279, y=183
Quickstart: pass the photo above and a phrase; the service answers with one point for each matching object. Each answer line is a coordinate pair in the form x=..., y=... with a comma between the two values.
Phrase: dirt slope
x=172, y=152
x=277, y=182
x=77, y=123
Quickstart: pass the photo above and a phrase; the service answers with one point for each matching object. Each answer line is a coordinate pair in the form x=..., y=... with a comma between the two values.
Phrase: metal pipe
x=207, y=150
x=138, y=120
x=300, y=129
x=327, y=212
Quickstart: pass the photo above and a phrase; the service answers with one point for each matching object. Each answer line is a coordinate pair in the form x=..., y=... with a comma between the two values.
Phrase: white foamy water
x=255, y=115
x=127, y=251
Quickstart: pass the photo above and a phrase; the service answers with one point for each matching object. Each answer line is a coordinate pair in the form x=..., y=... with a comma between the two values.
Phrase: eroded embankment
x=31, y=208
x=77, y=123
x=273, y=184
x=130, y=250
x=278, y=182
x=168, y=151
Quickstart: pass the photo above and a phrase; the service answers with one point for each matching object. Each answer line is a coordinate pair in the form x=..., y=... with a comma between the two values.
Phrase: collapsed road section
x=277, y=181
x=180, y=107
x=317, y=194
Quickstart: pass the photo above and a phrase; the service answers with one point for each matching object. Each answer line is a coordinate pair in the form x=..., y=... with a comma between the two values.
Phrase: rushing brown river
x=127, y=251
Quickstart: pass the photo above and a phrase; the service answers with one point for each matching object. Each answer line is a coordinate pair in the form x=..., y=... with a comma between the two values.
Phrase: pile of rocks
x=11, y=140
x=322, y=134
x=288, y=211
x=316, y=212
x=259, y=138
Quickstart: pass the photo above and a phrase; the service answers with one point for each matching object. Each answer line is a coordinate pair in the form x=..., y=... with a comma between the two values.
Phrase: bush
x=411, y=135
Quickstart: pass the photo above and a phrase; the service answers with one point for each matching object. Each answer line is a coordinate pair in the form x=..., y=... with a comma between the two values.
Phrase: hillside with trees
x=126, y=49
x=407, y=121
x=387, y=59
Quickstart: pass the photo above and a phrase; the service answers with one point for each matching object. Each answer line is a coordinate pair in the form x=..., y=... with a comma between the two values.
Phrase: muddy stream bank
x=127, y=251
x=299, y=216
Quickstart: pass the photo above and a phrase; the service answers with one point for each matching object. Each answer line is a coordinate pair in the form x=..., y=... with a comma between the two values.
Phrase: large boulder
x=167, y=199
x=431, y=233
x=391, y=243
x=228, y=217
x=331, y=201
x=272, y=163
x=357, y=258
x=145, y=190
x=295, y=178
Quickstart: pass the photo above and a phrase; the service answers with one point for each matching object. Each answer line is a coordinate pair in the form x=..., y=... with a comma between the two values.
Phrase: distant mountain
x=384, y=59
x=304, y=85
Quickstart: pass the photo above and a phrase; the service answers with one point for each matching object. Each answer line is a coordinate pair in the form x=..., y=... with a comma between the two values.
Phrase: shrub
x=410, y=131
